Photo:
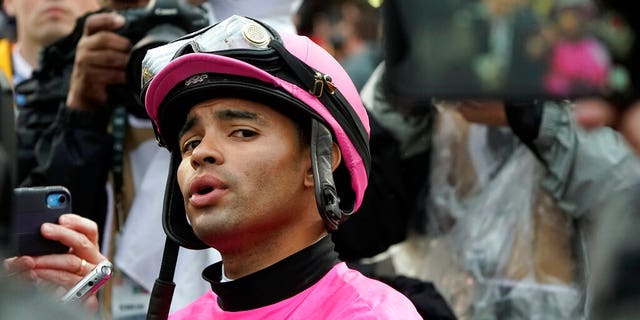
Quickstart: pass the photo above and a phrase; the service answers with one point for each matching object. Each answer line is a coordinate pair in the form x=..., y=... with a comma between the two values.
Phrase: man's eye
x=243, y=133
x=190, y=145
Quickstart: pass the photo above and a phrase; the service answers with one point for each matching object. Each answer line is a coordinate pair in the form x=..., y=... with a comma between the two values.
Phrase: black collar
x=275, y=283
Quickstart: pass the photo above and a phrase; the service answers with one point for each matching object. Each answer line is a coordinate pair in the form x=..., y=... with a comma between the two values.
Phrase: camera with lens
x=158, y=23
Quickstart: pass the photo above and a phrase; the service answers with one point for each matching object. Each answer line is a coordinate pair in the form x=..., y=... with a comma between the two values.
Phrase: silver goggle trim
x=234, y=33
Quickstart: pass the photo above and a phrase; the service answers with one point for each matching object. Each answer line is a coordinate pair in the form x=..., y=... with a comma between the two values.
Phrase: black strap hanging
x=118, y=128
x=162, y=293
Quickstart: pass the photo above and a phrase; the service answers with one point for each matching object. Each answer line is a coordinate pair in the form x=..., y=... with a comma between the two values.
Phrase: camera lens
x=90, y=283
x=56, y=200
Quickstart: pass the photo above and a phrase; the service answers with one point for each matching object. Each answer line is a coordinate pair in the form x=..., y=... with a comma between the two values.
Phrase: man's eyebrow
x=188, y=124
x=230, y=114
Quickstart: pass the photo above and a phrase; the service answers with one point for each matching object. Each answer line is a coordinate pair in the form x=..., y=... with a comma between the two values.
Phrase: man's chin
x=55, y=31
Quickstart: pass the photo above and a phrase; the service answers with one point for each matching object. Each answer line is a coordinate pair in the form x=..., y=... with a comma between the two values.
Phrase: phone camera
x=56, y=200
x=90, y=283
x=106, y=269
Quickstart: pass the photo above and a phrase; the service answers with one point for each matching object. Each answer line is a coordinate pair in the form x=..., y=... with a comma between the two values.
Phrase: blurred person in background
x=38, y=24
x=507, y=204
x=356, y=39
x=579, y=62
x=8, y=25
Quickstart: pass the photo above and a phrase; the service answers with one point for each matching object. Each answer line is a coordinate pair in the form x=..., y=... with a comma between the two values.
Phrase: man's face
x=43, y=21
x=244, y=173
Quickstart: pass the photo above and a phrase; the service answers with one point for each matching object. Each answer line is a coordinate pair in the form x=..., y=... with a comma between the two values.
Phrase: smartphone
x=90, y=283
x=32, y=207
x=505, y=49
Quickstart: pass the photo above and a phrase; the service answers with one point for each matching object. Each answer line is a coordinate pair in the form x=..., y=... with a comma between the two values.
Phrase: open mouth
x=205, y=190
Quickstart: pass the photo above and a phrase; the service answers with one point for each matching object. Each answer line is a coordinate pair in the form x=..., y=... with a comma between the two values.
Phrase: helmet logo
x=195, y=79
x=255, y=34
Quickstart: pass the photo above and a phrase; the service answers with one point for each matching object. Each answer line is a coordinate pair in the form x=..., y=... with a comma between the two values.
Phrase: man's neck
x=257, y=256
x=29, y=52
x=22, y=69
x=281, y=280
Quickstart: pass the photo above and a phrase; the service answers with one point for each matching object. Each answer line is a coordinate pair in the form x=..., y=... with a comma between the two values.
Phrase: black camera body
x=158, y=23
x=145, y=21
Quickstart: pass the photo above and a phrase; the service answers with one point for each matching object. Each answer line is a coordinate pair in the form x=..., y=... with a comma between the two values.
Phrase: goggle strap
x=299, y=69
x=344, y=114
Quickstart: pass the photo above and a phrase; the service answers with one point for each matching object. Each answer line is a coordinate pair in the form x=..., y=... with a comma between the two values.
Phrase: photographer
x=88, y=134
x=512, y=199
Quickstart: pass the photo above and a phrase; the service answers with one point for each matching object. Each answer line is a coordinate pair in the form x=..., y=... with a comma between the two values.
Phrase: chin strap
x=162, y=293
x=326, y=194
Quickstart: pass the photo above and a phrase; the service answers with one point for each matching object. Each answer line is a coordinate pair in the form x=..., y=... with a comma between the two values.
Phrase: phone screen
x=510, y=49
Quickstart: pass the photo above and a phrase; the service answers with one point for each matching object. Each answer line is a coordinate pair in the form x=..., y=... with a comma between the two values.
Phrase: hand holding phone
x=32, y=207
x=90, y=283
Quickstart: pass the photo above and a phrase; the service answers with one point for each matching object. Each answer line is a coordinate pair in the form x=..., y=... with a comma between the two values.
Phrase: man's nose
x=205, y=153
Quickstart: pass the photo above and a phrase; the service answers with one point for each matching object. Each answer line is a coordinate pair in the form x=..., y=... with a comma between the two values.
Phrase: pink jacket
x=342, y=293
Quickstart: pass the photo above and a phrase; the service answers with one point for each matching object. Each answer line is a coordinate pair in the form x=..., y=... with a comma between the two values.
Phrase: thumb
x=103, y=21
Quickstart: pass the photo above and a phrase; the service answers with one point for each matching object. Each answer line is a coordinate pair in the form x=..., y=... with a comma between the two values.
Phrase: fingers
x=102, y=21
x=629, y=126
x=101, y=41
x=478, y=104
x=488, y=112
x=594, y=113
x=57, y=277
x=107, y=58
x=80, y=224
x=18, y=264
x=100, y=61
x=64, y=270
x=67, y=262
x=79, y=234
x=21, y=267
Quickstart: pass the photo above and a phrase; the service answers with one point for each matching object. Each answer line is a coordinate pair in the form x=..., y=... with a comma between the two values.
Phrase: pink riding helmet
x=239, y=56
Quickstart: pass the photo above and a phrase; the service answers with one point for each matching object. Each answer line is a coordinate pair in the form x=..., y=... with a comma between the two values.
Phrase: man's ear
x=336, y=156
x=308, y=177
